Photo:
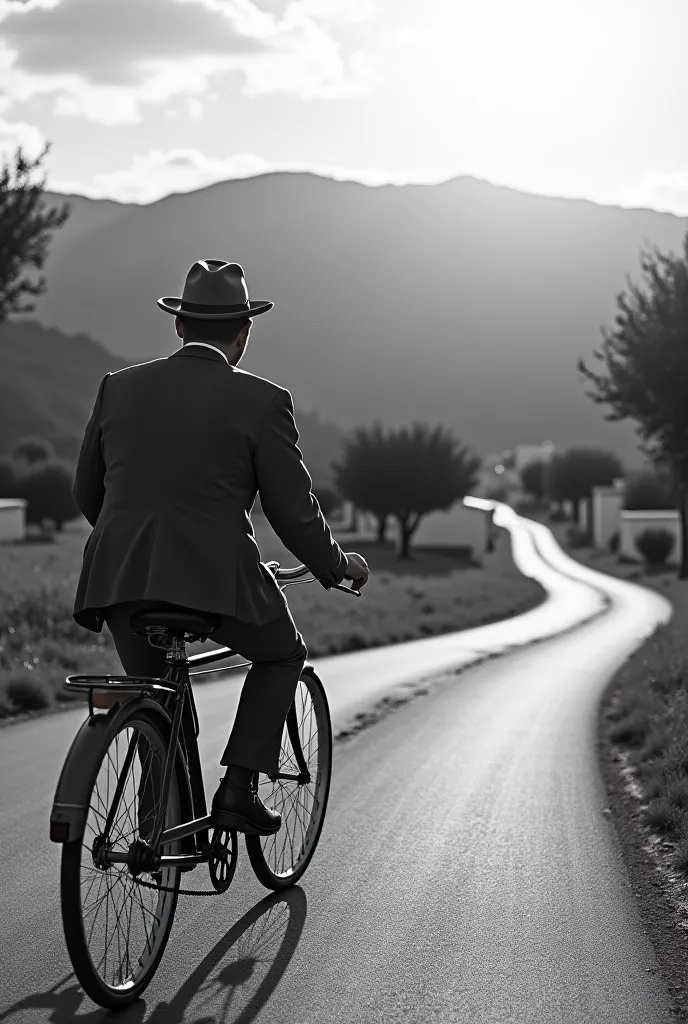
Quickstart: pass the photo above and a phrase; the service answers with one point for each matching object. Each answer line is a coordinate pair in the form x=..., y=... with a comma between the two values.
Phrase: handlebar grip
x=348, y=590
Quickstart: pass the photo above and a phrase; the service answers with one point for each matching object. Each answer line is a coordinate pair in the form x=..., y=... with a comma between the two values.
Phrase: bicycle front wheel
x=116, y=925
x=279, y=860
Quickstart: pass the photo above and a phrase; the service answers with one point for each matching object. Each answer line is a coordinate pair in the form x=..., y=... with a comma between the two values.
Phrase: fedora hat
x=214, y=290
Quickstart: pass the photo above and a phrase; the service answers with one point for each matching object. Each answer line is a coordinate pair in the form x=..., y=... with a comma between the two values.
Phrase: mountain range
x=463, y=303
x=49, y=382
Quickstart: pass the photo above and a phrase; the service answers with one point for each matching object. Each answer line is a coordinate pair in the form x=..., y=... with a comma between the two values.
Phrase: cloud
x=161, y=172
x=667, y=192
x=104, y=60
x=19, y=133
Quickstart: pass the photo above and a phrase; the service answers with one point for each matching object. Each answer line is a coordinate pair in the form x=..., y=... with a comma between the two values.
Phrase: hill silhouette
x=463, y=303
x=49, y=381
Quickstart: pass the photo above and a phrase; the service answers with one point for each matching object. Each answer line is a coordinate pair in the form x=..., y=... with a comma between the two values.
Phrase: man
x=172, y=459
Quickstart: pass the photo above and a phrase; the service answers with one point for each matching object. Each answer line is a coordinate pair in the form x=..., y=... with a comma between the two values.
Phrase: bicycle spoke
x=123, y=923
x=299, y=804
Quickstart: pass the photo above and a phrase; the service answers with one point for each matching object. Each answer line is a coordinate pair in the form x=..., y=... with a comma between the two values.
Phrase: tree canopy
x=406, y=473
x=33, y=449
x=571, y=475
x=25, y=226
x=533, y=478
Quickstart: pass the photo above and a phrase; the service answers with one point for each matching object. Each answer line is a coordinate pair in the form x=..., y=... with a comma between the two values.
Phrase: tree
x=47, y=488
x=645, y=376
x=406, y=473
x=25, y=226
x=533, y=479
x=9, y=483
x=359, y=476
x=572, y=475
x=650, y=490
x=428, y=471
x=33, y=449
x=327, y=499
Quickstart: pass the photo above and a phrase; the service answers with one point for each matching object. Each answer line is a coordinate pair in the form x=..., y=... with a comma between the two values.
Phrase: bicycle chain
x=187, y=892
x=180, y=892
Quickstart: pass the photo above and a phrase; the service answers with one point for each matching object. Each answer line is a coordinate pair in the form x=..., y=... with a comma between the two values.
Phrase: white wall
x=459, y=526
x=606, y=506
x=632, y=524
x=12, y=519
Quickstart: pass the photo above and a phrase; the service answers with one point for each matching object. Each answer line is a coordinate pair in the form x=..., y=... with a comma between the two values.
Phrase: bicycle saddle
x=175, y=621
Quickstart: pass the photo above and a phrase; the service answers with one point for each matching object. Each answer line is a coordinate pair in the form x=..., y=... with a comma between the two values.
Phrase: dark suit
x=172, y=458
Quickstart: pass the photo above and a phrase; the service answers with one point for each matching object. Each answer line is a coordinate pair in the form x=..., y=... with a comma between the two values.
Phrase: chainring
x=223, y=859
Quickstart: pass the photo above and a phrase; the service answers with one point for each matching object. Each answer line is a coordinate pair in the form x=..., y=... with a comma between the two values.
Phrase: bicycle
x=133, y=833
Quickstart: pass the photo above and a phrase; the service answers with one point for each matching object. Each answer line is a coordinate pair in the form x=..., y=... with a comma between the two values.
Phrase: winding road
x=466, y=874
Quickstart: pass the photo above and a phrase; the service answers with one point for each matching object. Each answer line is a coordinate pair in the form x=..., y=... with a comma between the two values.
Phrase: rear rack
x=151, y=686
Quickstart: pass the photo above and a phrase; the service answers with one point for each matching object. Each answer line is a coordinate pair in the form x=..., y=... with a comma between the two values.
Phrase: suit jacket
x=172, y=458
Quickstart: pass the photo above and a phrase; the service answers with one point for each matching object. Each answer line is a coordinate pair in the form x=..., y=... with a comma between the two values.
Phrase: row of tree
x=571, y=476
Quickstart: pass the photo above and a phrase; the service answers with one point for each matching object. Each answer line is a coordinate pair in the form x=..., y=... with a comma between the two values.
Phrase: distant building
x=524, y=454
x=502, y=470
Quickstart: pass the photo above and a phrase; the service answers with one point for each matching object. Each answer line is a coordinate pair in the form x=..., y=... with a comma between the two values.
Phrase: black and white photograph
x=391, y=299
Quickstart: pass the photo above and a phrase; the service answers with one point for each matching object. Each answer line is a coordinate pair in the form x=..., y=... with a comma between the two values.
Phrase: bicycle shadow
x=263, y=941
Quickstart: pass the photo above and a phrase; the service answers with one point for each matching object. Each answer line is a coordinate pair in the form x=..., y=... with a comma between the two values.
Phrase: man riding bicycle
x=173, y=456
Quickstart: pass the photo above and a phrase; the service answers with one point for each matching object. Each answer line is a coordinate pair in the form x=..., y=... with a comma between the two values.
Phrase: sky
x=141, y=98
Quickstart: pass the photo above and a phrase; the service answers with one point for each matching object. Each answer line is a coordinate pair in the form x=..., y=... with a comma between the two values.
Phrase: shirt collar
x=207, y=344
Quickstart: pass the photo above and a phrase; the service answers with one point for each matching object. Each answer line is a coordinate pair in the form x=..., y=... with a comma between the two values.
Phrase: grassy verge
x=434, y=593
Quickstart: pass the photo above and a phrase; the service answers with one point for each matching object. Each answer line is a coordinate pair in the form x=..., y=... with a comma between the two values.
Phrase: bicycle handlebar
x=293, y=576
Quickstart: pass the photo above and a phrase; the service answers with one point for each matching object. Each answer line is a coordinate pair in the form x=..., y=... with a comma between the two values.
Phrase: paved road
x=466, y=872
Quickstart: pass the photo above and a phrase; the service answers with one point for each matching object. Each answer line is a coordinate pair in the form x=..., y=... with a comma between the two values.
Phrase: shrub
x=614, y=542
x=655, y=545
x=25, y=693
x=47, y=487
x=557, y=515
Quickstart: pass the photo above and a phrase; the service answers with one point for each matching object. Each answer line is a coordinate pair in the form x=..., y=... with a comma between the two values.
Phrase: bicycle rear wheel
x=279, y=860
x=116, y=930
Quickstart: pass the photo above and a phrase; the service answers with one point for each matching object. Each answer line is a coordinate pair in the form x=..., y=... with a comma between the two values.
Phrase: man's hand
x=356, y=569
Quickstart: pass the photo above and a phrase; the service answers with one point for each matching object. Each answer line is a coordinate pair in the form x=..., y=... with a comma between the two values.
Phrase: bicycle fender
x=80, y=769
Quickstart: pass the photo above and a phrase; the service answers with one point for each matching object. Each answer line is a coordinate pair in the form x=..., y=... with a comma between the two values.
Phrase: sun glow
x=523, y=60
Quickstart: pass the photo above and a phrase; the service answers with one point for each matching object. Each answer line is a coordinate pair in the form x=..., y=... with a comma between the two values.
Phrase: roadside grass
x=645, y=708
x=436, y=592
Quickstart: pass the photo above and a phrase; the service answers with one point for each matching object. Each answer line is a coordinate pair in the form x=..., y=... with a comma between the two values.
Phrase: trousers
x=277, y=652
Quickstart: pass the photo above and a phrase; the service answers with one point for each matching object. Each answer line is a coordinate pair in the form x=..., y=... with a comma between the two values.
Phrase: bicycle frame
x=175, y=694
x=184, y=732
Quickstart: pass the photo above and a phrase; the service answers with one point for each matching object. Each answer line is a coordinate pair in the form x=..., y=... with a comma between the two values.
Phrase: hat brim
x=169, y=304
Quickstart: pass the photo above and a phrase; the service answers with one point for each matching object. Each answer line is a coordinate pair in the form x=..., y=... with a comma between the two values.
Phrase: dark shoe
x=239, y=808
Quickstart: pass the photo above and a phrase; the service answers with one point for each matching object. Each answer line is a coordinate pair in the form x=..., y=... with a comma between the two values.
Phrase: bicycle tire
x=269, y=855
x=140, y=968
